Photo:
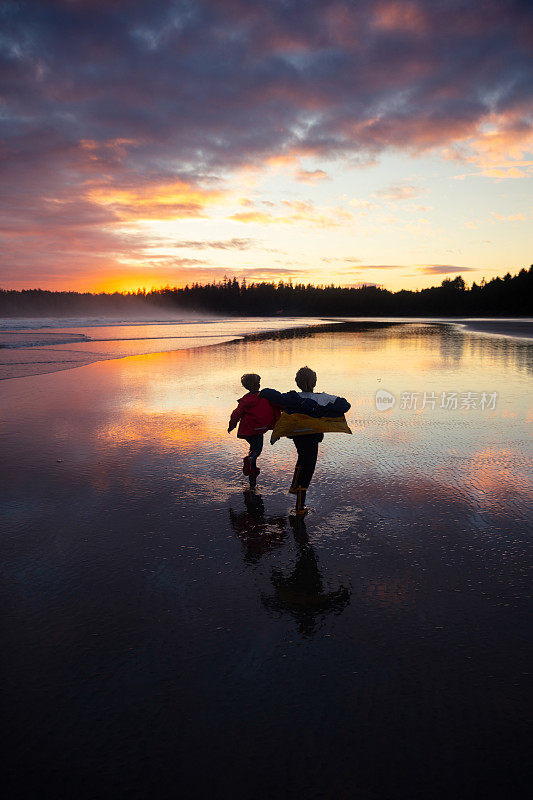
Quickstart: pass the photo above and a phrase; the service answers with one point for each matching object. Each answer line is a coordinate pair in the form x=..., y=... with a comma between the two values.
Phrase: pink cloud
x=311, y=176
x=401, y=16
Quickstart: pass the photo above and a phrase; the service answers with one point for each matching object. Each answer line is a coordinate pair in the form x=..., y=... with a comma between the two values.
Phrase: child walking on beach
x=306, y=416
x=256, y=415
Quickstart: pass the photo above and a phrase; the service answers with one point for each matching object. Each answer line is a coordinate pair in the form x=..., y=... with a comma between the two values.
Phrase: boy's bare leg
x=307, y=449
x=300, y=501
x=295, y=478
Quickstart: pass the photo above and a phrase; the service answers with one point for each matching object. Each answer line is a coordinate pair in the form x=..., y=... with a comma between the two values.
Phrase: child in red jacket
x=256, y=416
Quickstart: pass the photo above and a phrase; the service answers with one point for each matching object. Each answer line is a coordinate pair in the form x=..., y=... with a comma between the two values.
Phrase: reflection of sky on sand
x=176, y=405
x=141, y=576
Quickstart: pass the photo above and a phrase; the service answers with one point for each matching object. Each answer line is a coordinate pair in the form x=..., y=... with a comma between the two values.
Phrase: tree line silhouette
x=507, y=296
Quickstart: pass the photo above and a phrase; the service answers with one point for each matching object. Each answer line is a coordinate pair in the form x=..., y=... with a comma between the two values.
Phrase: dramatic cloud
x=173, y=200
x=117, y=112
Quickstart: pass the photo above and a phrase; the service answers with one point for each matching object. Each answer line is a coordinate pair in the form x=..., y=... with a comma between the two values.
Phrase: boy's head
x=251, y=381
x=305, y=379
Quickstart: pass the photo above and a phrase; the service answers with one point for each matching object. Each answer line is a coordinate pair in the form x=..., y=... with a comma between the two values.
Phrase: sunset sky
x=152, y=143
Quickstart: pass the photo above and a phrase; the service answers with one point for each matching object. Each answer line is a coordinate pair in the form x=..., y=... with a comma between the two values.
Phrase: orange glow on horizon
x=135, y=283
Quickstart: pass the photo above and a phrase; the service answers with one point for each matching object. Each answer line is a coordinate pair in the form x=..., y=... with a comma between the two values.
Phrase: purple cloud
x=445, y=269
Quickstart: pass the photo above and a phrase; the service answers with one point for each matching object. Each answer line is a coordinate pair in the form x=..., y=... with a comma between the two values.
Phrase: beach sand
x=522, y=328
x=169, y=634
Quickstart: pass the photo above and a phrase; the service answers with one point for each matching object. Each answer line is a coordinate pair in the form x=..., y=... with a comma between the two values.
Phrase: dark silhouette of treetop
x=508, y=296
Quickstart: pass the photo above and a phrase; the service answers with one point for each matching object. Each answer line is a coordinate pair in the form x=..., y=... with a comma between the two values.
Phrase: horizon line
x=251, y=282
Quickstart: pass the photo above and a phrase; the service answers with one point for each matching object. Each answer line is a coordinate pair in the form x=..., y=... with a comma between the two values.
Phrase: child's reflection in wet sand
x=301, y=593
x=258, y=533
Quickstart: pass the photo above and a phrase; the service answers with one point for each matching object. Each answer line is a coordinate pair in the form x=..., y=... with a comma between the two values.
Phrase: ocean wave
x=15, y=341
x=39, y=323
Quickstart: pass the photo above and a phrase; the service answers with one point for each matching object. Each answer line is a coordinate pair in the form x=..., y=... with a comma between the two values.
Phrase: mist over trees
x=507, y=296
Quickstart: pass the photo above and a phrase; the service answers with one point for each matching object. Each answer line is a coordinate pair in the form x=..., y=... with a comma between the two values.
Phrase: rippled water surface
x=170, y=635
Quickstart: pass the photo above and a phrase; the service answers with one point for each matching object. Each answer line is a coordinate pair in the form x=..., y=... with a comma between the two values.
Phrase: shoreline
x=43, y=358
x=70, y=350
x=516, y=329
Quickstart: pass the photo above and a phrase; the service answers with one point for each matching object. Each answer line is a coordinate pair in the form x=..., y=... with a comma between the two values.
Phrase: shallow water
x=36, y=347
x=169, y=634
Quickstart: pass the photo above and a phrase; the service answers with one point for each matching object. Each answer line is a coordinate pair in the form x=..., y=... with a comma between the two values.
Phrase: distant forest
x=507, y=296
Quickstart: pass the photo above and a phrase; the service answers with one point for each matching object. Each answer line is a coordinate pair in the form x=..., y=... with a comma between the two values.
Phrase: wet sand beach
x=168, y=634
x=522, y=328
